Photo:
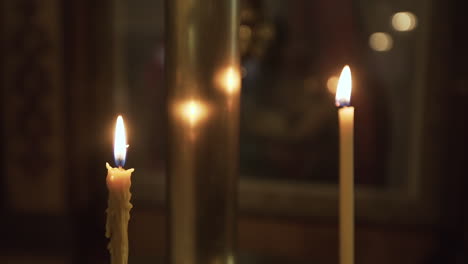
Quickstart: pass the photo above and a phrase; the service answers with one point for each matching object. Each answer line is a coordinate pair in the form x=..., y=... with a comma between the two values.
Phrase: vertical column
x=202, y=74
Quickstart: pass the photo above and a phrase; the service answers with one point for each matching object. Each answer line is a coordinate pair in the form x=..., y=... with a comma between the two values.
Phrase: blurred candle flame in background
x=332, y=83
x=229, y=80
x=192, y=111
x=404, y=21
x=381, y=41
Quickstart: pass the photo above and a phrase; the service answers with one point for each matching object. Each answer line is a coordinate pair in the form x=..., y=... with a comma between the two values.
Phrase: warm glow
x=120, y=142
x=245, y=32
x=332, y=83
x=380, y=41
x=343, y=91
x=404, y=21
x=229, y=80
x=193, y=111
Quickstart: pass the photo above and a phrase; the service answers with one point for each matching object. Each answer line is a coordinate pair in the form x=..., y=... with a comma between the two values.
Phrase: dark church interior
x=69, y=67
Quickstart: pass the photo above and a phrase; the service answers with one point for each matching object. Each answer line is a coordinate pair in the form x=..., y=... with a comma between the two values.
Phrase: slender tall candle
x=118, y=210
x=346, y=121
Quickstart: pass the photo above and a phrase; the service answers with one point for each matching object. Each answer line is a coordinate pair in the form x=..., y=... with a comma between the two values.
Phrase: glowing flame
x=193, y=111
x=120, y=142
x=229, y=80
x=343, y=91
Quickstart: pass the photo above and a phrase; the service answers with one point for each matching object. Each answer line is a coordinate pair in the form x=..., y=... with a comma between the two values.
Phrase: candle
x=346, y=122
x=118, y=210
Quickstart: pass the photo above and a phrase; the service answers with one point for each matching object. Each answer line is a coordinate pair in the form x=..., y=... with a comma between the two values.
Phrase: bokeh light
x=404, y=21
x=380, y=41
x=192, y=111
x=229, y=79
x=332, y=83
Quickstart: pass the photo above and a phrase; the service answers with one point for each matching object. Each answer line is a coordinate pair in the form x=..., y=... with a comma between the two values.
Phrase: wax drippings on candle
x=118, y=213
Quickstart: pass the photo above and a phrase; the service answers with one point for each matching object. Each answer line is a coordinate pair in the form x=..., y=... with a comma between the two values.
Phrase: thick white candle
x=118, y=209
x=346, y=122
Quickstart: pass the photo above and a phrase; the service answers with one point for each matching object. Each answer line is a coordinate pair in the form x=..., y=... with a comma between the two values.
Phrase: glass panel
x=292, y=53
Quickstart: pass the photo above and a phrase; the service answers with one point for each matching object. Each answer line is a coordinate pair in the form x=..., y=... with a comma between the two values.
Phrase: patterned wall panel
x=33, y=105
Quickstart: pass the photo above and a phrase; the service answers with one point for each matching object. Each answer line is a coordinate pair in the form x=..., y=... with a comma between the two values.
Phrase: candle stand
x=203, y=103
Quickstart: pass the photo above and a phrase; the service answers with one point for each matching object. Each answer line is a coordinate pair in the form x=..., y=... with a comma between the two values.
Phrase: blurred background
x=69, y=67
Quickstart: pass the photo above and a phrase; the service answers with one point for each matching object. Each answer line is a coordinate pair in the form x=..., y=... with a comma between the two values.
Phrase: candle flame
x=120, y=142
x=343, y=91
